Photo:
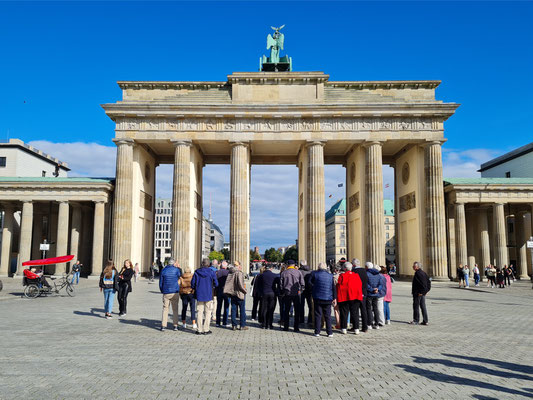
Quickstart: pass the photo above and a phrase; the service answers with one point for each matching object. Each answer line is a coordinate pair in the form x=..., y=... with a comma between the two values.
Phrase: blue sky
x=60, y=61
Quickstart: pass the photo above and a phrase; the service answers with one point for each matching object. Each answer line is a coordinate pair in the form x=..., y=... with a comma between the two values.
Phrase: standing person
x=124, y=286
x=466, y=276
x=388, y=295
x=203, y=282
x=374, y=287
x=236, y=289
x=359, y=270
x=187, y=297
x=279, y=295
x=336, y=275
x=256, y=295
x=507, y=274
x=324, y=293
x=268, y=293
x=491, y=274
x=349, y=297
x=76, y=269
x=475, y=271
x=292, y=283
x=109, y=285
x=500, y=278
x=460, y=275
x=486, y=270
x=136, y=271
x=170, y=287
x=222, y=298
x=214, y=267
x=152, y=271
x=420, y=287
x=306, y=295
x=392, y=272
x=381, y=296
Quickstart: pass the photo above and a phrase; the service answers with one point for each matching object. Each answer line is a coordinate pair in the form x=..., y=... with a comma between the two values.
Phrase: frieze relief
x=278, y=124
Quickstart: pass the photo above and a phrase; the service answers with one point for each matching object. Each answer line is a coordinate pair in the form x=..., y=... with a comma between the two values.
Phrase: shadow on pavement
x=148, y=323
x=526, y=369
x=460, y=380
x=95, y=312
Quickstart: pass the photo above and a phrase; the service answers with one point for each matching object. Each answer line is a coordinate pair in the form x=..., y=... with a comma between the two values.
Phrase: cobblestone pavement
x=479, y=345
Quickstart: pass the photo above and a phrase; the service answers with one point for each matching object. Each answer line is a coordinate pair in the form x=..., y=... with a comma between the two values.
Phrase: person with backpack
x=420, y=287
x=109, y=285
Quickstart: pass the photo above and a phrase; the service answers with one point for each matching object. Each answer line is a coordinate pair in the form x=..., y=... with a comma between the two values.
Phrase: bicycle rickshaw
x=36, y=284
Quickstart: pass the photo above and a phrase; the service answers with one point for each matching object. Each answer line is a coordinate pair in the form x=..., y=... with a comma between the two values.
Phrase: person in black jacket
x=124, y=286
x=421, y=286
x=364, y=282
x=268, y=289
x=306, y=295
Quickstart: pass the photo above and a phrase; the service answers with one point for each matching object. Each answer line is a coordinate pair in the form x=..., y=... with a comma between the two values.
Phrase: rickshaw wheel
x=31, y=291
x=70, y=290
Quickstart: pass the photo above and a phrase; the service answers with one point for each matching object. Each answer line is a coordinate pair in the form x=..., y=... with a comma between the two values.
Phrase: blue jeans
x=76, y=275
x=188, y=300
x=466, y=280
x=236, y=302
x=476, y=279
x=109, y=297
x=386, y=310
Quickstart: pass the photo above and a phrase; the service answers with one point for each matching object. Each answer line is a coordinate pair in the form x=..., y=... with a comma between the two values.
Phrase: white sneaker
x=317, y=335
x=330, y=335
x=344, y=331
x=228, y=325
x=194, y=326
x=184, y=325
x=357, y=331
x=387, y=322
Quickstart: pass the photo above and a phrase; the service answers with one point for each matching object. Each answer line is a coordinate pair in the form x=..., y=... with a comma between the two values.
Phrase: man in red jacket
x=349, y=297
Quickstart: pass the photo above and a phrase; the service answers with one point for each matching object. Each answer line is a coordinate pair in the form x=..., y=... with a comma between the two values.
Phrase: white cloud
x=465, y=163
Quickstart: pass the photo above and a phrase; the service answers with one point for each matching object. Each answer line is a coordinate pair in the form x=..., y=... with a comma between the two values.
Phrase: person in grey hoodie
x=306, y=295
x=374, y=287
x=292, y=283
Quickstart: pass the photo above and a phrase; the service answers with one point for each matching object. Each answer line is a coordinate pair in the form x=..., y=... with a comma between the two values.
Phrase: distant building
x=256, y=250
x=206, y=238
x=336, y=232
x=390, y=245
x=216, y=239
x=18, y=159
x=515, y=164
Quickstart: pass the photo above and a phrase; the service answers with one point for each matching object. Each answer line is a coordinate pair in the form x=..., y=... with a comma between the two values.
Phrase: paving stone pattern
x=479, y=345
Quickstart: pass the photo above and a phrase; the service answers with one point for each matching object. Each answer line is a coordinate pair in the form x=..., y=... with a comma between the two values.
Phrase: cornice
x=170, y=85
x=384, y=84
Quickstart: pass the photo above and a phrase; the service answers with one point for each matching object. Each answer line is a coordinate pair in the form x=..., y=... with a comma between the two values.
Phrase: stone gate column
x=500, y=234
x=436, y=258
x=98, y=239
x=26, y=225
x=316, y=214
x=181, y=202
x=123, y=202
x=461, y=250
x=485, y=242
x=62, y=235
x=7, y=233
x=240, y=205
x=521, y=244
x=75, y=232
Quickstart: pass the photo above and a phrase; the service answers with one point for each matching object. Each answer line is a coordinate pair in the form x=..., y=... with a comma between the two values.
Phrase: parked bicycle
x=38, y=284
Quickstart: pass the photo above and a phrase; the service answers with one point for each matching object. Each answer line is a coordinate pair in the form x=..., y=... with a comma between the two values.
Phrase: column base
x=440, y=279
x=524, y=277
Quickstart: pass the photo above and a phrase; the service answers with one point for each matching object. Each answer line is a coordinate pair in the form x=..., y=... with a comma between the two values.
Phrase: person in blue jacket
x=169, y=286
x=324, y=293
x=204, y=281
x=374, y=288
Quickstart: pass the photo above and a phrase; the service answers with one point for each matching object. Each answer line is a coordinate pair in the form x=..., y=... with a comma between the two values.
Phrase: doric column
x=98, y=238
x=26, y=225
x=181, y=203
x=62, y=235
x=484, y=239
x=521, y=243
x=7, y=233
x=436, y=258
x=375, y=226
x=123, y=202
x=460, y=235
x=316, y=214
x=240, y=205
x=500, y=235
x=75, y=231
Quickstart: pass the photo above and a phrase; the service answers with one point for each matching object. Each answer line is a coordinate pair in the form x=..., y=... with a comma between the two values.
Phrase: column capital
x=99, y=202
x=310, y=143
x=62, y=201
x=368, y=143
x=430, y=142
x=239, y=143
x=124, y=141
x=181, y=142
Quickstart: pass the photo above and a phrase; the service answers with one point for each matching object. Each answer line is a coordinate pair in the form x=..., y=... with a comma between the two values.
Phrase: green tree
x=273, y=255
x=225, y=253
x=215, y=255
x=291, y=254
x=254, y=255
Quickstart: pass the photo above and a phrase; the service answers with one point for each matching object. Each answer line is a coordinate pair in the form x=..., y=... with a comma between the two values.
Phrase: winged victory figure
x=275, y=43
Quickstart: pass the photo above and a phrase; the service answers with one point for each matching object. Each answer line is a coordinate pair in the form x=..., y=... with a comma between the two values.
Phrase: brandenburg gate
x=296, y=118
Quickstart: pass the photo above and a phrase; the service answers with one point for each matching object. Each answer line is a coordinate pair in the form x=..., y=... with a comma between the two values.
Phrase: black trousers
x=345, y=308
x=257, y=312
x=322, y=308
x=287, y=302
x=364, y=314
x=222, y=300
x=372, y=310
x=306, y=296
x=122, y=297
x=419, y=303
x=268, y=305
